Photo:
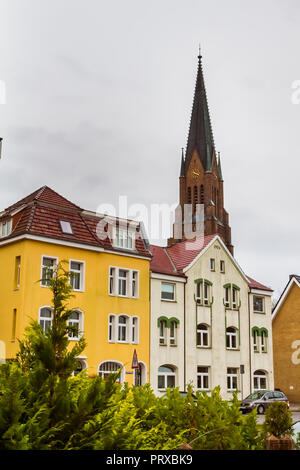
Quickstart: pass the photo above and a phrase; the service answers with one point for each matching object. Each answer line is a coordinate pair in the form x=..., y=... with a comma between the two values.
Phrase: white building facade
x=210, y=323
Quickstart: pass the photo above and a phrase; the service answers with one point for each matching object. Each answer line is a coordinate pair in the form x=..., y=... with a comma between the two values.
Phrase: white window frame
x=263, y=342
x=112, y=323
x=80, y=325
x=132, y=282
x=135, y=329
x=199, y=292
x=123, y=279
x=234, y=297
x=6, y=228
x=123, y=326
x=55, y=264
x=255, y=341
x=173, y=338
x=232, y=376
x=259, y=378
x=166, y=375
x=203, y=333
x=163, y=329
x=17, y=272
x=49, y=319
x=106, y=373
x=174, y=291
x=202, y=376
x=81, y=273
x=122, y=236
x=232, y=336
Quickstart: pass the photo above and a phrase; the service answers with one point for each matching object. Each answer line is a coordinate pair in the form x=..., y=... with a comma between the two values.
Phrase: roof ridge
x=170, y=258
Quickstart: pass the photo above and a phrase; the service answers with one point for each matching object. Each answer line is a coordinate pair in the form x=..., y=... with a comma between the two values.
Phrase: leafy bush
x=42, y=406
x=278, y=420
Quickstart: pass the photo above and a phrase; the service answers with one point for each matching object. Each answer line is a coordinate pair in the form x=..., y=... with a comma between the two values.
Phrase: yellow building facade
x=111, y=288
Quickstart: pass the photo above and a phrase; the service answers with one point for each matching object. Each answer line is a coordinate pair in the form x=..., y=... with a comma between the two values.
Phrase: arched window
x=166, y=377
x=45, y=318
x=263, y=339
x=202, y=335
x=195, y=197
x=173, y=333
x=189, y=195
x=123, y=329
x=260, y=380
x=231, y=338
x=81, y=365
x=255, y=334
x=109, y=367
x=76, y=323
x=162, y=323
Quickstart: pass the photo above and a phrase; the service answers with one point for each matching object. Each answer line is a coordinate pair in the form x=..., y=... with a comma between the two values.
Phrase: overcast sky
x=99, y=97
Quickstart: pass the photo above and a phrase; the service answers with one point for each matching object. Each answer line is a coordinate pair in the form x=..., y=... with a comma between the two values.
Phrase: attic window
x=5, y=228
x=66, y=227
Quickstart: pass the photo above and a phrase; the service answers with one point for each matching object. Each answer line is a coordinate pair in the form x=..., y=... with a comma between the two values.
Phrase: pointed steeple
x=200, y=132
x=182, y=169
x=219, y=167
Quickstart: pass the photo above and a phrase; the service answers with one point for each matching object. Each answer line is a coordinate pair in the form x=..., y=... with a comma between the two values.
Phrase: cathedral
x=201, y=181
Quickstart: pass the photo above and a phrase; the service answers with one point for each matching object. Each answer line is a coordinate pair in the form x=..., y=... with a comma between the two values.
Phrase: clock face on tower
x=195, y=173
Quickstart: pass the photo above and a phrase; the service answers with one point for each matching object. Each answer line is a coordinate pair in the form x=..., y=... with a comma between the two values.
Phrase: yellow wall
x=95, y=301
x=286, y=331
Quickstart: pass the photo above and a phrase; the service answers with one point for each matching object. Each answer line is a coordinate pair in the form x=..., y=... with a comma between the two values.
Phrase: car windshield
x=255, y=396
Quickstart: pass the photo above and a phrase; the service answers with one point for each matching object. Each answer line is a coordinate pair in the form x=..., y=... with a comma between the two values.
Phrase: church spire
x=200, y=133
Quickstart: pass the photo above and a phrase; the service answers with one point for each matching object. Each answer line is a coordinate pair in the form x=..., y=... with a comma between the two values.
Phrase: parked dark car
x=261, y=400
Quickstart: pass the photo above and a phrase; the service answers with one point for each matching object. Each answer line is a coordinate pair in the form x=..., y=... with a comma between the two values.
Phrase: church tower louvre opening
x=201, y=185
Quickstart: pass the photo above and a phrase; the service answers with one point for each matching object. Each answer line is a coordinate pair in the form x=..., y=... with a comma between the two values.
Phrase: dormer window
x=124, y=238
x=66, y=227
x=5, y=228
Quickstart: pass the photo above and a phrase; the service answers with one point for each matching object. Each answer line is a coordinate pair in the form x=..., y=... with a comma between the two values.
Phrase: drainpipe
x=250, y=363
x=184, y=340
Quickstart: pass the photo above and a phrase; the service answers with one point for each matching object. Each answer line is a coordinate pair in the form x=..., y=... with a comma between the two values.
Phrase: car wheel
x=260, y=410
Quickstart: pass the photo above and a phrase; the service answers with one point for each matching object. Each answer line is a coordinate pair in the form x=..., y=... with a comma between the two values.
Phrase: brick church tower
x=201, y=181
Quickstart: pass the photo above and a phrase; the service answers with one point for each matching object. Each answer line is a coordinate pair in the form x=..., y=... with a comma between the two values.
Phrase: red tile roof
x=257, y=285
x=172, y=260
x=40, y=214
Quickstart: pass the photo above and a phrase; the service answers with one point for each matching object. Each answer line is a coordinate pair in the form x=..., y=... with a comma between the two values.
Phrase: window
x=66, y=227
x=202, y=378
x=255, y=340
x=206, y=294
x=234, y=297
x=81, y=365
x=163, y=332
x=231, y=296
x=112, y=274
x=212, y=264
x=189, y=195
x=135, y=330
x=123, y=278
x=263, y=340
x=201, y=194
x=173, y=333
x=124, y=238
x=75, y=322
x=109, y=367
x=123, y=282
x=77, y=275
x=202, y=336
x=134, y=284
x=45, y=318
x=232, y=379
x=260, y=380
x=14, y=324
x=123, y=329
x=258, y=304
x=111, y=328
x=231, y=338
x=167, y=291
x=222, y=266
x=227, y=296
x=166, y=377
x=48, y=266
x=17, y=272
x=199, y=293
x=5, y=228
